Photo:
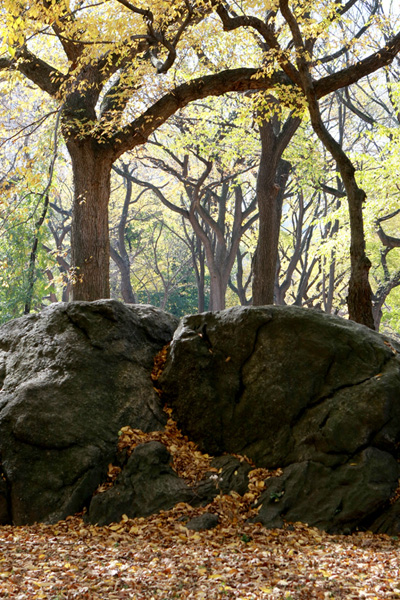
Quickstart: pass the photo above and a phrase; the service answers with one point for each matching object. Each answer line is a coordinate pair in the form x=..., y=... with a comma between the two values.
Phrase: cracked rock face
x=71, y=377
x=293, y=388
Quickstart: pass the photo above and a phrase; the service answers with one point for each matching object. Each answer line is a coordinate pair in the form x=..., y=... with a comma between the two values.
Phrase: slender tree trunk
x=38, y=225
x=121, y=257
x=198, y=262
x=220, y=266
x=281, y=288
x=329, y=290
x=240, y=288
x=89, y=234
x=127, y=292
x=217, y=267
x=359, y=299
x=124, y=268
x=33, y=256
x=200, y=279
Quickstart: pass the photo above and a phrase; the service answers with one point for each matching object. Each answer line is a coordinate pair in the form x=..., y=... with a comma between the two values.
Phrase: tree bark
x=198, y=261
x=217, y=290
x=90, y=242
x=124, y=268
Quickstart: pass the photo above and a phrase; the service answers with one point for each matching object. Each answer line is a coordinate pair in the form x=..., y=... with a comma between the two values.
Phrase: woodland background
x=183, y=212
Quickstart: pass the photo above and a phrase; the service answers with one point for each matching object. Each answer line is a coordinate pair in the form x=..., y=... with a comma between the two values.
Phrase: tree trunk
x=124, y=268
x=127, y=292
x=217, y=290
x=200, y=279
x=272, y=178
x=89, y=234
x=121, y=257
x=271, y=185
x=359, y=299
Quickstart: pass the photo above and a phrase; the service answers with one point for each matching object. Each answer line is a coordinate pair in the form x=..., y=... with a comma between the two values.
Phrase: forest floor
x=158, y=558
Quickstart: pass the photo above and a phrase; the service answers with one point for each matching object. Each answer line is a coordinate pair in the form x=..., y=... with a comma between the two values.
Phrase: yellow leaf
x=134, y=530
x=325, y=573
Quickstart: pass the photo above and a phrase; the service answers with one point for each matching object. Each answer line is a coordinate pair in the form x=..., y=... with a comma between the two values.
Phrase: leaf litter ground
x=159, y=558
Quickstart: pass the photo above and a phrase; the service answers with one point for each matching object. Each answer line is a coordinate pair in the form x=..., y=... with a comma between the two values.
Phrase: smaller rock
x=146, y=485
x=204, y=521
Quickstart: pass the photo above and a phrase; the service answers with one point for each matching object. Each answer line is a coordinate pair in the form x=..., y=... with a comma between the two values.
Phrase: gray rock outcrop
x=314, y=395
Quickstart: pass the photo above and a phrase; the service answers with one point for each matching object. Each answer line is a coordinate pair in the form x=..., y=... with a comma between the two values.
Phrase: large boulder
x=294, y=388
x=315, y=395
x=71, y=377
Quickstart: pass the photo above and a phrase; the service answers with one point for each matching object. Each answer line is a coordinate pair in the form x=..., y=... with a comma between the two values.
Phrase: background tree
x=210, y=170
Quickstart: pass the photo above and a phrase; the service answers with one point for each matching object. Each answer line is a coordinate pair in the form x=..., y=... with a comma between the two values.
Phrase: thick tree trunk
x=272, y=177
x=89, y=234
x=271, y=185
x=218, y=287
